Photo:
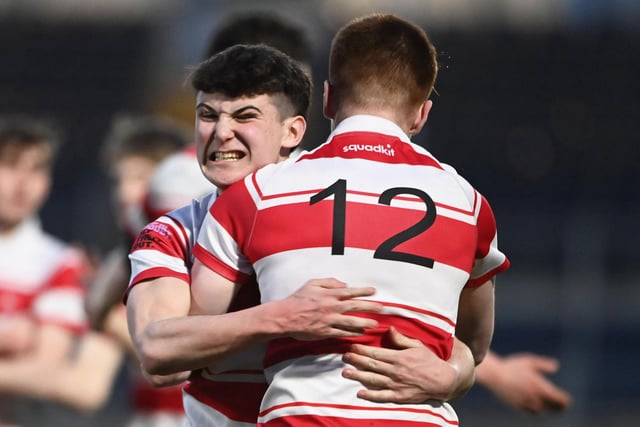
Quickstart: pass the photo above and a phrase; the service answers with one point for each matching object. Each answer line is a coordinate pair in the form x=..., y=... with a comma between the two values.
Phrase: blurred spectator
x=46, y=352
x=132, y=150
x=263, y=28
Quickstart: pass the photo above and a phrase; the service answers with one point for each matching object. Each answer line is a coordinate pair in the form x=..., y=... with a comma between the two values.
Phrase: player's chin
x=224, y=179
x=211, y=168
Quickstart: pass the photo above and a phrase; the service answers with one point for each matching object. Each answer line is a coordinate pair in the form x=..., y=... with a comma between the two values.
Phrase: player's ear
x=295, y=128
x=421, y=117
x=328, y=103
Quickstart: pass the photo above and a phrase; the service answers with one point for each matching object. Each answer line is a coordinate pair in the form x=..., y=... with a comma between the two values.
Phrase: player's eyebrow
x=245, y=108
x=204, y=105
x=234, y=112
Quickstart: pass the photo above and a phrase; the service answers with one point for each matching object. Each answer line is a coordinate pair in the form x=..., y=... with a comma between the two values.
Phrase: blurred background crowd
x=536, y=104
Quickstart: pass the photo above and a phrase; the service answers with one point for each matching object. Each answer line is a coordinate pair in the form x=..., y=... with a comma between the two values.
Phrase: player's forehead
x=134, y=163
x=224, y=103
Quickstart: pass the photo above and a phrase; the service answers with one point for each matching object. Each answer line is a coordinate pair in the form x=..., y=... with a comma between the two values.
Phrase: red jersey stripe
x=238, y=401
x=235, y=216
x=487, y=229
x=154, y=273
x=367, y=226
x=153, y=399
x=366, y=422
x=439, y=341
x=218, y=266
x=165, y=237
x=312, y=421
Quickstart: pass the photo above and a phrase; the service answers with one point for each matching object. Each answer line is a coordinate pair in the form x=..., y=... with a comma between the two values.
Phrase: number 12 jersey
x=369, y=208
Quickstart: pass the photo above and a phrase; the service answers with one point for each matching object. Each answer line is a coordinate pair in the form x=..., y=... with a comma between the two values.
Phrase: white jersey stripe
x=200, y=415
x=286, y=398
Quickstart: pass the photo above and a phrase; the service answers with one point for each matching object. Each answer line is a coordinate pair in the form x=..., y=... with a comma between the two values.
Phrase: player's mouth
x=226, y=156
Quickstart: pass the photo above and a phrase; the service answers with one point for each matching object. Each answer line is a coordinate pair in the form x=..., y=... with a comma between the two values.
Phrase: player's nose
x=223, y=130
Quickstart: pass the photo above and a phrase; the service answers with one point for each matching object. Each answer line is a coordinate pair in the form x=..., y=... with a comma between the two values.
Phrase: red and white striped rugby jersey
x=163, y=247
x=43, y=277
x=228, y=394
x=371, y=209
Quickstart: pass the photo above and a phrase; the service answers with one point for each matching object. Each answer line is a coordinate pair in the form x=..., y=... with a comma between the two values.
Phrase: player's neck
x=383, y=113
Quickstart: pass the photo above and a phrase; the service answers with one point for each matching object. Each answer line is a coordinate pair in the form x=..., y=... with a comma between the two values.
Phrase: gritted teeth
x=227, y=155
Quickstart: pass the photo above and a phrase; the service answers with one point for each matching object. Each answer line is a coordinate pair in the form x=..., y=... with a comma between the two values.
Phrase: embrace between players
x=304, y=293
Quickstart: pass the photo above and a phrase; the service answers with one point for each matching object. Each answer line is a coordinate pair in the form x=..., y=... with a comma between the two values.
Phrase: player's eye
x=245, y=117
x=205, y=114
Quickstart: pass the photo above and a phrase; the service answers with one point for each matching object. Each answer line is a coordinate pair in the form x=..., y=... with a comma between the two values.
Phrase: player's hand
x=522, y=383
x=324, y=308
x=412, y=374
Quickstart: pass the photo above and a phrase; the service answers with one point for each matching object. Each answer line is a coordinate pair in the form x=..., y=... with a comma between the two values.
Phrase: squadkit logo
x=386, y=150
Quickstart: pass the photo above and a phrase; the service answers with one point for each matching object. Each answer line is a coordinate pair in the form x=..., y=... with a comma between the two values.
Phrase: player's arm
x=116, y=326
x=520, y=381
x=177, y=343
x=55, y=369
x=157, y=312
x=28, y=374
x=174, y=342
x=16, y=334
x=169, y=341
x=476, y=307
x=158, y=299
x=57, y=364
x=476, y=318
x=96, y=357
x=318, y=309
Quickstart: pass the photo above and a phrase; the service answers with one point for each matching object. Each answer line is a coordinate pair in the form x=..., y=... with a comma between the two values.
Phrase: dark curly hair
x=252, y=70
